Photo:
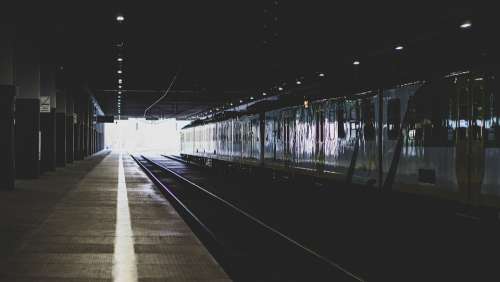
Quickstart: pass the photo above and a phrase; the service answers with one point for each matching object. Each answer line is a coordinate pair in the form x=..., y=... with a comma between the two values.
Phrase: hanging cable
x=164, y=94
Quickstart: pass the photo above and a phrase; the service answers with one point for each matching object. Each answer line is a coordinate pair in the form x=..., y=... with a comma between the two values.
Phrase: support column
x=48, y=117
x=7, y=108
x=27, y=127
x=61, y=134
x=70, y=129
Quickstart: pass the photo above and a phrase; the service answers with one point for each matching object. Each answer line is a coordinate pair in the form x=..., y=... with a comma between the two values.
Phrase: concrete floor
x=100, y=219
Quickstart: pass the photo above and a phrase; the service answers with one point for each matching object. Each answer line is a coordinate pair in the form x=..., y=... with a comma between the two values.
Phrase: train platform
x=100, y=219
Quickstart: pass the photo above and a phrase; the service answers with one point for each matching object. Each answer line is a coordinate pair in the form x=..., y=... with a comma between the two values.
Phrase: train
x=439, y=137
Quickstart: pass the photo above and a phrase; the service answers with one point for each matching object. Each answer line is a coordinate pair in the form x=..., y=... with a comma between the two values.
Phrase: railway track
x=249, y=249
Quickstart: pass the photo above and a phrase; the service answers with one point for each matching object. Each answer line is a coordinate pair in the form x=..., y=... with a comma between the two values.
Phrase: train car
x=440, y=138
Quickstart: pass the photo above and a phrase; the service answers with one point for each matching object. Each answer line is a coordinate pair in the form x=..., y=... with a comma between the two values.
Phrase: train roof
x=296, y=97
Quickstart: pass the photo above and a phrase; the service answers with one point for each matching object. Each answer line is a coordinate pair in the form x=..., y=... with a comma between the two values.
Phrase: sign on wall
x=44, y=104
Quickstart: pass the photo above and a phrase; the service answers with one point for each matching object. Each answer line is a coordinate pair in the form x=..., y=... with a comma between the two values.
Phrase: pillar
x=48, y=117
x=70, y=129
x=27, y=126
x=61, y=134
x=7, y=107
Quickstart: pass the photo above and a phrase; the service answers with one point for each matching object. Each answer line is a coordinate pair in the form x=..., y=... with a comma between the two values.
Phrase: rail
x=256, y=220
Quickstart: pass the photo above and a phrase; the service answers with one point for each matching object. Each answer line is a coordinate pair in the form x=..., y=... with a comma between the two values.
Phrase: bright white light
x=466, y=25
x=321, y=74
x=119, y=86
x=356, y=63
x=251, y=98
x=299, y=82
x=231, y=104
x=241, y=101
x=120, y=80
x=399, y=48
x=119, y=92
x=119, y=71
x=264, y=93
x=280, y=88
x=479, y=79
x=120, y=59
x=217, y=109
x=120, y=18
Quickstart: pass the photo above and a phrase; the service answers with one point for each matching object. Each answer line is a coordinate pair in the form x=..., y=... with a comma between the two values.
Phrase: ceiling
x=224, y=50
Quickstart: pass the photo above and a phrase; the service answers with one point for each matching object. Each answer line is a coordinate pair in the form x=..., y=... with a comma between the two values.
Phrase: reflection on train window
x=393, y=118
x=353, y=117
x=320, y=126
x=340, y=121
x=368, y=119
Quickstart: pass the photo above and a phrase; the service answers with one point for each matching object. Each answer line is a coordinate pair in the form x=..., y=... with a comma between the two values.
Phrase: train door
x=469, y=110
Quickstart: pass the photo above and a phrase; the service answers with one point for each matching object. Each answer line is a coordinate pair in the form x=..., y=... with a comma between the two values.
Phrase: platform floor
x=100, y=219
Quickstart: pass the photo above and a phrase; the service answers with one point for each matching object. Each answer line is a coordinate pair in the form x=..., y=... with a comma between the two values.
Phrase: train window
x=368, y=119
x=340, y=121
x=393, y=118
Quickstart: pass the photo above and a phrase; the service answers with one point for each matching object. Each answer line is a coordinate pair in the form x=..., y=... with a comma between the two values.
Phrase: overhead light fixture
x=241, y=101
x=466, y=25
x=321, y=74
x=356, y=63
x=119, y=92
x=251, y=98
x=264, y=93
x=399, y=48
x=306, y=104
x=280, y=88
x=119, y=71
x=120, y=80
x=119, y=86
x=217, y=109
x=120, y=59
x=298, y=82
x=231, y=104
x=120, y=18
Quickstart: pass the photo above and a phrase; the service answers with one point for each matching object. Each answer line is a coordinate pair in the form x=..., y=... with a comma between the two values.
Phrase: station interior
x=249, y=141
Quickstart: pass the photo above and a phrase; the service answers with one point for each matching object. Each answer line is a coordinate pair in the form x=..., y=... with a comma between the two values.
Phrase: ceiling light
x=217, y=109
x=299, y=82
x=119, y=86
x=321, y=74
x=251, y=98
x=120, y=59
x=241, y=101
x=465, y=25
x=280, y=88
x=119, y=71
x=120, y=80
x=119, y=92
x=399, y=48
x=264, y=93
x=120, y=18
x=231, y=104
x=356, y=63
